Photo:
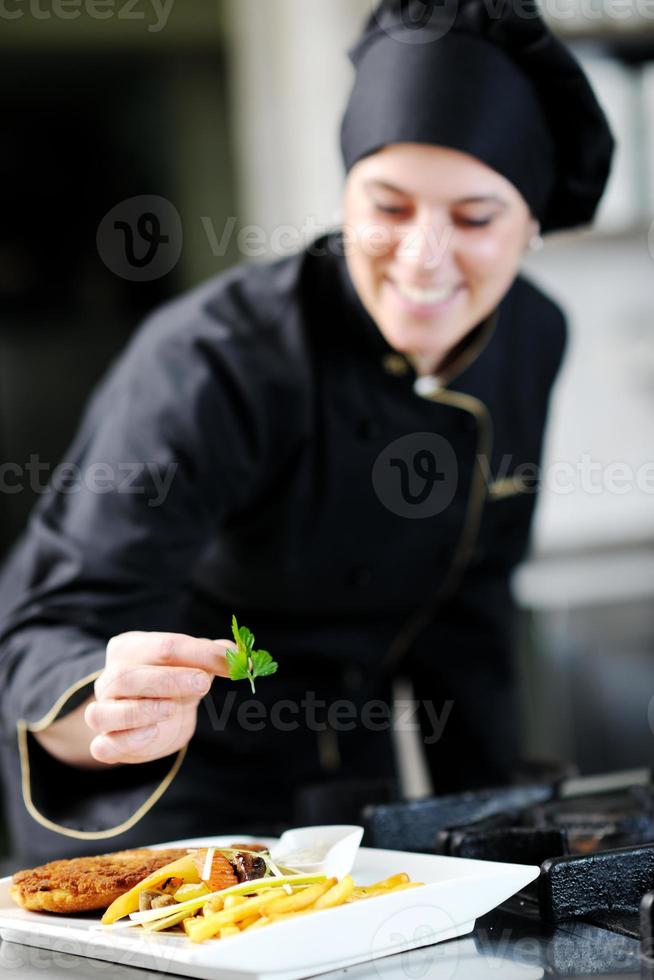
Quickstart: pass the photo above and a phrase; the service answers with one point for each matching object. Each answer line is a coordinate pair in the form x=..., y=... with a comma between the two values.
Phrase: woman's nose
x=425, y=244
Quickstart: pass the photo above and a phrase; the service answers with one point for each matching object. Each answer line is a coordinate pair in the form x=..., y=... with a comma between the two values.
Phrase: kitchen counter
x=504, y=946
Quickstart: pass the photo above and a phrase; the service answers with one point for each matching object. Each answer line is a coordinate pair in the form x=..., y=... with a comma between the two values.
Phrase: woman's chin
x=433, y=339
x=414, y=341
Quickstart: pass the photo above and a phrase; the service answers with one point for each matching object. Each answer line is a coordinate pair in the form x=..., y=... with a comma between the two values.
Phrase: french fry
x=188, y=924
x=380, y=887
x=192, y=927
x=390, y=891
x=215, y=904
x=233, y=900
x=371, y=891
x=257, y=923
x=366, y=892
x=336, y=895
x=246, y=923
x=290, y=915
x=298, y=900
x=228, y=931
x=399, y=879
x=206, y=926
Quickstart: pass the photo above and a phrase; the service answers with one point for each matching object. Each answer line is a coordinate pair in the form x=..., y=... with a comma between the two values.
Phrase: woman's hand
x=147, y=696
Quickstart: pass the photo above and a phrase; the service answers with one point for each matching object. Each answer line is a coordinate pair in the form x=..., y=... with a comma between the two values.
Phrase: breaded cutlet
x=86, y=883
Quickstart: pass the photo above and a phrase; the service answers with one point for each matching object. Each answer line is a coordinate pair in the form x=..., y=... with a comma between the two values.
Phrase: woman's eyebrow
x=483, y=199
x=374, y=182
x=385, y=185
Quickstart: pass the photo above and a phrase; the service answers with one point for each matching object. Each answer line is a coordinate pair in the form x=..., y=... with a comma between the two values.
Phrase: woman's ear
x=533, y=242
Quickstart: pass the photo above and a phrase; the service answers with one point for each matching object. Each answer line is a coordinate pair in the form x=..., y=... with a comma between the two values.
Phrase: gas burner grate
x=596, y=849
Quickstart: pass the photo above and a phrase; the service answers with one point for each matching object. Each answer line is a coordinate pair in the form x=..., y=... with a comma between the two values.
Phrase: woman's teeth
x=426, y=297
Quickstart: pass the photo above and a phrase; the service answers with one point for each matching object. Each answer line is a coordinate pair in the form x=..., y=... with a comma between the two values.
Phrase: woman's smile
x=420, y=301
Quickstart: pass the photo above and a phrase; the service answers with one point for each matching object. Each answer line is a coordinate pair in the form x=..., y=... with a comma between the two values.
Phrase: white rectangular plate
x=455, y=893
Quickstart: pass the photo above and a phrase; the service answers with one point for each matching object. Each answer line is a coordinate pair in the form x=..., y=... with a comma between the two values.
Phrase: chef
x=341, y=447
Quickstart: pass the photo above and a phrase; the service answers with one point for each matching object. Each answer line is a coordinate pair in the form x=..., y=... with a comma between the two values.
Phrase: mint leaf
x=236, y=633
x=237, y=664
x=263, y=664
x=246, y=663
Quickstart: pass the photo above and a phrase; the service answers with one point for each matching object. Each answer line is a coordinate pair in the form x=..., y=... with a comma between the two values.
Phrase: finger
x=126, y=714
x=178, y=683
x=135, y=746
x=171, y=650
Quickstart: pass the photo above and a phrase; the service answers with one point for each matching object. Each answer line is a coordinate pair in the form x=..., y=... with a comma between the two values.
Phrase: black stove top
x=593, y=839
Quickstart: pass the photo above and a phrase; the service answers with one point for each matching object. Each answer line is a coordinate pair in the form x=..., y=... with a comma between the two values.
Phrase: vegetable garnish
x=243, y=888
x=246, y=663
x=268, y=893
x=260, y=902
x=208, y=861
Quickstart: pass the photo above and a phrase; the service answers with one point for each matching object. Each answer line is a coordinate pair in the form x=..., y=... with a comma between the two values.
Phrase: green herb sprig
x=246, y=663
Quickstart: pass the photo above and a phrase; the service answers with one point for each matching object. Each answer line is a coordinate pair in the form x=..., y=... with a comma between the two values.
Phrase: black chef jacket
x=271, y=397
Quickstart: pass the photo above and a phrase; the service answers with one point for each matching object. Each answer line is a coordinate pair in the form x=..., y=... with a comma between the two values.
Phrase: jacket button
x=368, y=429
x=427, y=386
x=395, y=364
x=360, y=577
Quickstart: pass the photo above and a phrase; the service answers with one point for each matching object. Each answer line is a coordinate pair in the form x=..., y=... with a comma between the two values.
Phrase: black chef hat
x=488, y=78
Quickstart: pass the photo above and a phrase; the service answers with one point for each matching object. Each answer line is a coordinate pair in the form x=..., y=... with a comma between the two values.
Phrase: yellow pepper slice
x=129, y=902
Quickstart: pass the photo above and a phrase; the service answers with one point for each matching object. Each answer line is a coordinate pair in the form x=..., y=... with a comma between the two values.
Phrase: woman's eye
x=390, y=209
x=473, y=222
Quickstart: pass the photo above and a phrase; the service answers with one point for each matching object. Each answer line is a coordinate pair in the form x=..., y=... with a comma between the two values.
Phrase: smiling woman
x=436, y=240
x=335, y=420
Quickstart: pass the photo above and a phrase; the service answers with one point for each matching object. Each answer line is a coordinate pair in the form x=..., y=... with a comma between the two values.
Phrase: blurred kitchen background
x=229, y=109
